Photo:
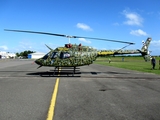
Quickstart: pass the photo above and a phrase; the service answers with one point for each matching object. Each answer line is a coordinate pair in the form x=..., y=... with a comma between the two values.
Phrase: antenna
x=69, y=39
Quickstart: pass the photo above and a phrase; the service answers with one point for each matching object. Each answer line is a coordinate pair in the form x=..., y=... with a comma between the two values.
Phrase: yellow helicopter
x=72, y=55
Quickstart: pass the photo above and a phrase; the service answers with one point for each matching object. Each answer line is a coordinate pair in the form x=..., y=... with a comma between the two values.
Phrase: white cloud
x=4, y=47
x=138, y=32
x=116, y=24
x=25, y=45
x=156, y=43
x=155, y=47
x=132, y=18
x=84, y=27
x=84, y=40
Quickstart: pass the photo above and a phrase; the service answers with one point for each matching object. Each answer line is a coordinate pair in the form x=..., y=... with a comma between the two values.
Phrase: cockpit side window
x=54, y=55
x=64, y=55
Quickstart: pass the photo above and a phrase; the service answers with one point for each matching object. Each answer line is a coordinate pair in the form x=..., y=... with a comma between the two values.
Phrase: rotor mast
x=69, y=40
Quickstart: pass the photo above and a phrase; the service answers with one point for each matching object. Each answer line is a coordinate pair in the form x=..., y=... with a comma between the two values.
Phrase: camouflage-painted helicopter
x=72, y=55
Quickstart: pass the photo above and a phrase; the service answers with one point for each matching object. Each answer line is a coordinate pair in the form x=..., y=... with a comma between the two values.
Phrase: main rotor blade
x=106, y=40
x=36, y=32
x=68, y=36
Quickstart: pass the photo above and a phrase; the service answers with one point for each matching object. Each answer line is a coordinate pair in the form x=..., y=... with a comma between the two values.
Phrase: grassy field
x=132, y=63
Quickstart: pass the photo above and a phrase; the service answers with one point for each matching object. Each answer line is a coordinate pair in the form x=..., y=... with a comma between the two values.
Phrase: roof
x=37, y=53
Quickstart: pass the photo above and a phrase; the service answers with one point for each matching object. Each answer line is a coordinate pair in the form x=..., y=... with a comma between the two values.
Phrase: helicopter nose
x=37, y=62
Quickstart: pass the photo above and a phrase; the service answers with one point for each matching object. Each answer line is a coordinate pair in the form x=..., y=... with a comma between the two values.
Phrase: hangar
x=4, y=54
x=35, y=55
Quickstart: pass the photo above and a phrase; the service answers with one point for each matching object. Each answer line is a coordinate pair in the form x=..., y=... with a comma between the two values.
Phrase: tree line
x=24, y=54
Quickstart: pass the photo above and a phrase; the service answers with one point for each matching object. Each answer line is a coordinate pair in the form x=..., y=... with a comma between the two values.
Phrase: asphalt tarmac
x=95, y=92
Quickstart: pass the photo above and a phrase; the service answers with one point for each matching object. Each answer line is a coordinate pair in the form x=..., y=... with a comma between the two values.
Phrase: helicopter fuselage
x=71, y=56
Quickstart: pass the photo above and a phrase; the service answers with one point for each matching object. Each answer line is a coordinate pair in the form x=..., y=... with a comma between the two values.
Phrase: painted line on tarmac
x=53, y=100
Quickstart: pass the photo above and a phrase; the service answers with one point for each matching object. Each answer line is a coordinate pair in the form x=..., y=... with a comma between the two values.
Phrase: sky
x=124, y=20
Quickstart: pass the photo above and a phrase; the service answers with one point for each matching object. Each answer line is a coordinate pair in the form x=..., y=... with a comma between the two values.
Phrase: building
x=7, y=55
x=35, y=55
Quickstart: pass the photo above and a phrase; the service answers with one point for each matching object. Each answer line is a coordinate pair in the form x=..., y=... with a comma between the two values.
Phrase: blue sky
x=126, y=20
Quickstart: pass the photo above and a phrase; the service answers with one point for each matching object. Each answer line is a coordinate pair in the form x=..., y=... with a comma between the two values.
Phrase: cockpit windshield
x=46, y=56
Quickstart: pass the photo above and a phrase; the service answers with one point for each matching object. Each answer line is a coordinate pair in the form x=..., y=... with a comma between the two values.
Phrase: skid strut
x=64, y=70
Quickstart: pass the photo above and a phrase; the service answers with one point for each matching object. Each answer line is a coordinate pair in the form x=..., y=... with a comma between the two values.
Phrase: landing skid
x=63, y=71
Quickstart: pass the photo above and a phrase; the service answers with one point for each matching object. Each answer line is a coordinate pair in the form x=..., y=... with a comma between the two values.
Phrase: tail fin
x=146, y=45
x=144, y=50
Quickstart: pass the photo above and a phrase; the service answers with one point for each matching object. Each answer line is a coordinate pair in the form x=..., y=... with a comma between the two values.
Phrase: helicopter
x=73, y=55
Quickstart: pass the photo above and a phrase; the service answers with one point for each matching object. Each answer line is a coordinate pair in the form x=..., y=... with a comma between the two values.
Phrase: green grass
x=132, y=63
